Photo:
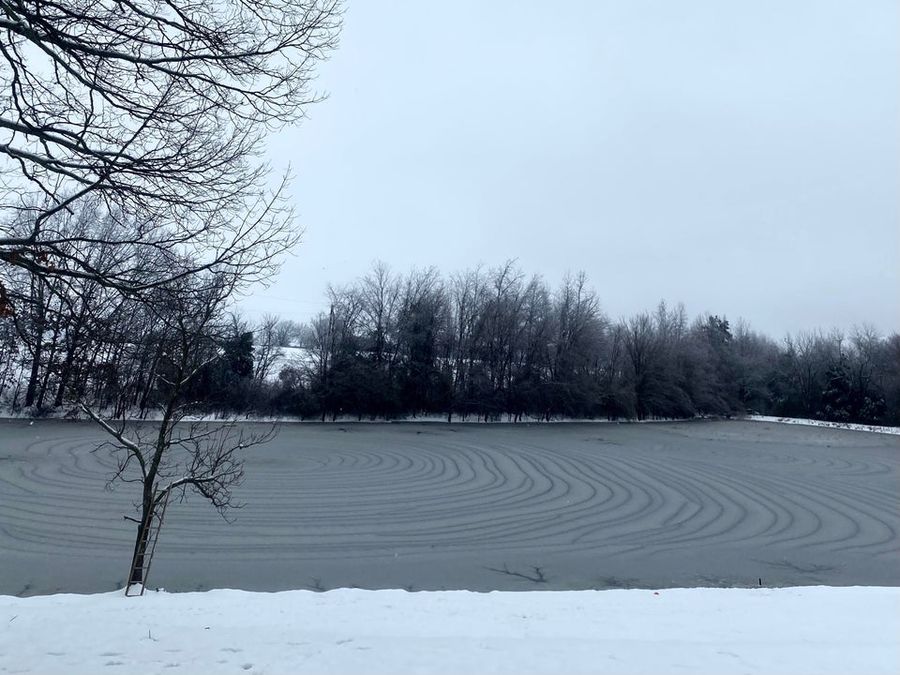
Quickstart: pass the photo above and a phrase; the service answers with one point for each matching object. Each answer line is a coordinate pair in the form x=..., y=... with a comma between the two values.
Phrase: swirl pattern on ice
x=325, y=498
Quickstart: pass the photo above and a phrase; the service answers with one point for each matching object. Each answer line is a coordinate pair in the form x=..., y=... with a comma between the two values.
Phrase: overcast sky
x=740, y=157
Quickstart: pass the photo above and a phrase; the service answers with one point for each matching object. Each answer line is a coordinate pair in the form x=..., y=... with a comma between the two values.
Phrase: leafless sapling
x=174, y=456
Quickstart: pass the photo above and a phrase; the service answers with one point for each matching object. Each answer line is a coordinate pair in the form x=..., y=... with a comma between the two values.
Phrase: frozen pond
x=432, y=506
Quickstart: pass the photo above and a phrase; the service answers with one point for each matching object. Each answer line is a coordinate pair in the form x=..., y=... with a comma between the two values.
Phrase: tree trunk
x=140, y=550
x=73, y=335
x=64, y=377
x=45, y=382
x=34, y=376
x=140, y=545
x=31, y=390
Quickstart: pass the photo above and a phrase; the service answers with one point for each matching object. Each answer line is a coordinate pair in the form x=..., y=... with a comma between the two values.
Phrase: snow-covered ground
x=830, y=425
x=788, y=630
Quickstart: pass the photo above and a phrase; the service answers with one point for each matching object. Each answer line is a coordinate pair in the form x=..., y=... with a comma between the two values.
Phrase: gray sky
x=741, y=157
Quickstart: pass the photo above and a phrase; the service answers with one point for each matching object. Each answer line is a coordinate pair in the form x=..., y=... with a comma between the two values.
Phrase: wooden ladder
x=151, y=536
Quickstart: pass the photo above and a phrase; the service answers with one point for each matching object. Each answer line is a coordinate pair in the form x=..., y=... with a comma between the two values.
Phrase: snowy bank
x=789, y=630
x=874, y=428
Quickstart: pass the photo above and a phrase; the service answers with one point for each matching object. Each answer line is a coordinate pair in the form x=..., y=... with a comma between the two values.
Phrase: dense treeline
x=477, y=345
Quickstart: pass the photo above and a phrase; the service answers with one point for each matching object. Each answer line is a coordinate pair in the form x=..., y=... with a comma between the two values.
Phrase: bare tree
x=380, y=292
x=579, y=326
x=266, y=346
x=157, y=110
x=173, y=456
x=642, y=347
x=130, y=140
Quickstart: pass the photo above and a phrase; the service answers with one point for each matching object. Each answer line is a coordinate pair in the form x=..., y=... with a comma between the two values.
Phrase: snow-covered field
x=789, y=630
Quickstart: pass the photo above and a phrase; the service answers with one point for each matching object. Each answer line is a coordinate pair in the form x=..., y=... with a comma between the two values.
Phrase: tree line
x=482, y=344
